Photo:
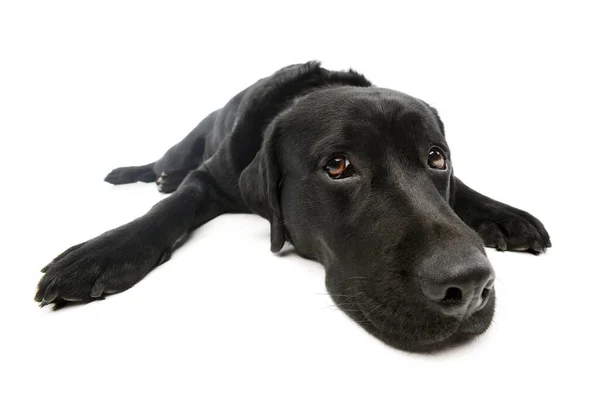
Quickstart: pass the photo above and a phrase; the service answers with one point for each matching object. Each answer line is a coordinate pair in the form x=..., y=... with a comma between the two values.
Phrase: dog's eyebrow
x=345, y=137
x=332, y=144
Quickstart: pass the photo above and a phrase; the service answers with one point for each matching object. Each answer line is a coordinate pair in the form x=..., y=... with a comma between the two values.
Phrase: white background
x=85, y=88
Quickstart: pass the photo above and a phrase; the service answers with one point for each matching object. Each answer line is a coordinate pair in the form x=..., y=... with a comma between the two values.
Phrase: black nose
x=459, y=288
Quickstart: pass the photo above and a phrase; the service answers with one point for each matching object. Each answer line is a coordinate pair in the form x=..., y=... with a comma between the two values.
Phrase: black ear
x=453, y=184
x=438, y=119
x=260, y=186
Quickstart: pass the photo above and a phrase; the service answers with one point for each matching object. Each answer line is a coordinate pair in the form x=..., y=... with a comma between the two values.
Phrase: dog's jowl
x=357, y=177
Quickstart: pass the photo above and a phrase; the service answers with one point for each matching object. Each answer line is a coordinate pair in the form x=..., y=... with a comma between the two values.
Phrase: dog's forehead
x=364, y=100
x=354, y=115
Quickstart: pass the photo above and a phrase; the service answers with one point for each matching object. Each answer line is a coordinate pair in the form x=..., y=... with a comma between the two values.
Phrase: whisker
x=334, y=294
x=419, y=332
x=349, y=300
x=401, y=323
x=335, y=307
x=385, y=320
x=367, y=314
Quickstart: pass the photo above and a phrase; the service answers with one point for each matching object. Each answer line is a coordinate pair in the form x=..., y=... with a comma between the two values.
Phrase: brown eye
x=338, y=167
x=437, y=159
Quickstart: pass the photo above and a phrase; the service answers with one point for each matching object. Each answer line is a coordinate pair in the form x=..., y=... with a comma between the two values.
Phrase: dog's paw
x=110, y=263
x=508, y=228
x=168, y=182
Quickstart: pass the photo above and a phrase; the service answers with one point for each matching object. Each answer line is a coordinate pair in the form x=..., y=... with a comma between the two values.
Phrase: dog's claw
x=166, y=256
x=60, y=303
x=50, y=297
x=502, y=246
x=97, y=290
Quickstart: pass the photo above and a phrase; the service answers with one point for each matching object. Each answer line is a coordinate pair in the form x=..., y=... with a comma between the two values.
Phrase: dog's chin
x=427, y=336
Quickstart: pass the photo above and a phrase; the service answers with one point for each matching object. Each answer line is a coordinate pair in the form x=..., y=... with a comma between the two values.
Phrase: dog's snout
x=458, y=288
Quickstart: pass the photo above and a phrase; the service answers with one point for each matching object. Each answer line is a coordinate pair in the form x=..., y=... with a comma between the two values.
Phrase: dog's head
x=361, y=180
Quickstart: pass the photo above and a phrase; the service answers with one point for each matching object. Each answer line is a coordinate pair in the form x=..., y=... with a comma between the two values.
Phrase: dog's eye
x=437, y=159
x=338, y=167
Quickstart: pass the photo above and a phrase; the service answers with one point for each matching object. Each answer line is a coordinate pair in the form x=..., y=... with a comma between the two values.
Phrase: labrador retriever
x=357, y=177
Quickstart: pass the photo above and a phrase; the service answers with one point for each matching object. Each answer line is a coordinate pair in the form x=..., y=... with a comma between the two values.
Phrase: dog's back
x=241, y=121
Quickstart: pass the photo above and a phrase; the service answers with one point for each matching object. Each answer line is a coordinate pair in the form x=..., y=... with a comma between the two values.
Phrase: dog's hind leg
x=142, y=173
x=171, y=169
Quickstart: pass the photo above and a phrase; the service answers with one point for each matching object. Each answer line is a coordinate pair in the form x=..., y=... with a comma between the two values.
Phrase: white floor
x=86, y=90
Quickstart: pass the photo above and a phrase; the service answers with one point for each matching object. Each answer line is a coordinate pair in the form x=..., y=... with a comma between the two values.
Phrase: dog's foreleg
x=501, y=226
x=118, y=259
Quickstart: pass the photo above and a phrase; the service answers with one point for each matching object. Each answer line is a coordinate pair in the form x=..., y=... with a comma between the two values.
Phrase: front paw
x=110, y=263
x=508, y=228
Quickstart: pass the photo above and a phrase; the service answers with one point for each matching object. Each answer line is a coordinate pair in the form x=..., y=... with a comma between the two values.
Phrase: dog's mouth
x=414, y=328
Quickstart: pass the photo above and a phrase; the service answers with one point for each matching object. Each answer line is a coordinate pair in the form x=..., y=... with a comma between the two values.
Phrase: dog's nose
x=459, y=288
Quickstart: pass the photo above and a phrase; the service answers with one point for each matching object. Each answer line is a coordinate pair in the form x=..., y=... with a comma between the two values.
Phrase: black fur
x=379, y=233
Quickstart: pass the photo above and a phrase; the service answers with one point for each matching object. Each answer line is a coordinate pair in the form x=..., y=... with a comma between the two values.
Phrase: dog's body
x=354, y=176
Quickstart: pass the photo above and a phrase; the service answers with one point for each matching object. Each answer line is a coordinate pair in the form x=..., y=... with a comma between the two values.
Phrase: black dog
x=354, y=176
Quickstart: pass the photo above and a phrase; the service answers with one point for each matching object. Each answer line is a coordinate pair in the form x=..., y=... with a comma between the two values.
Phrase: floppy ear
x=453, y=184
x=260, y=183
x=438, y=119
